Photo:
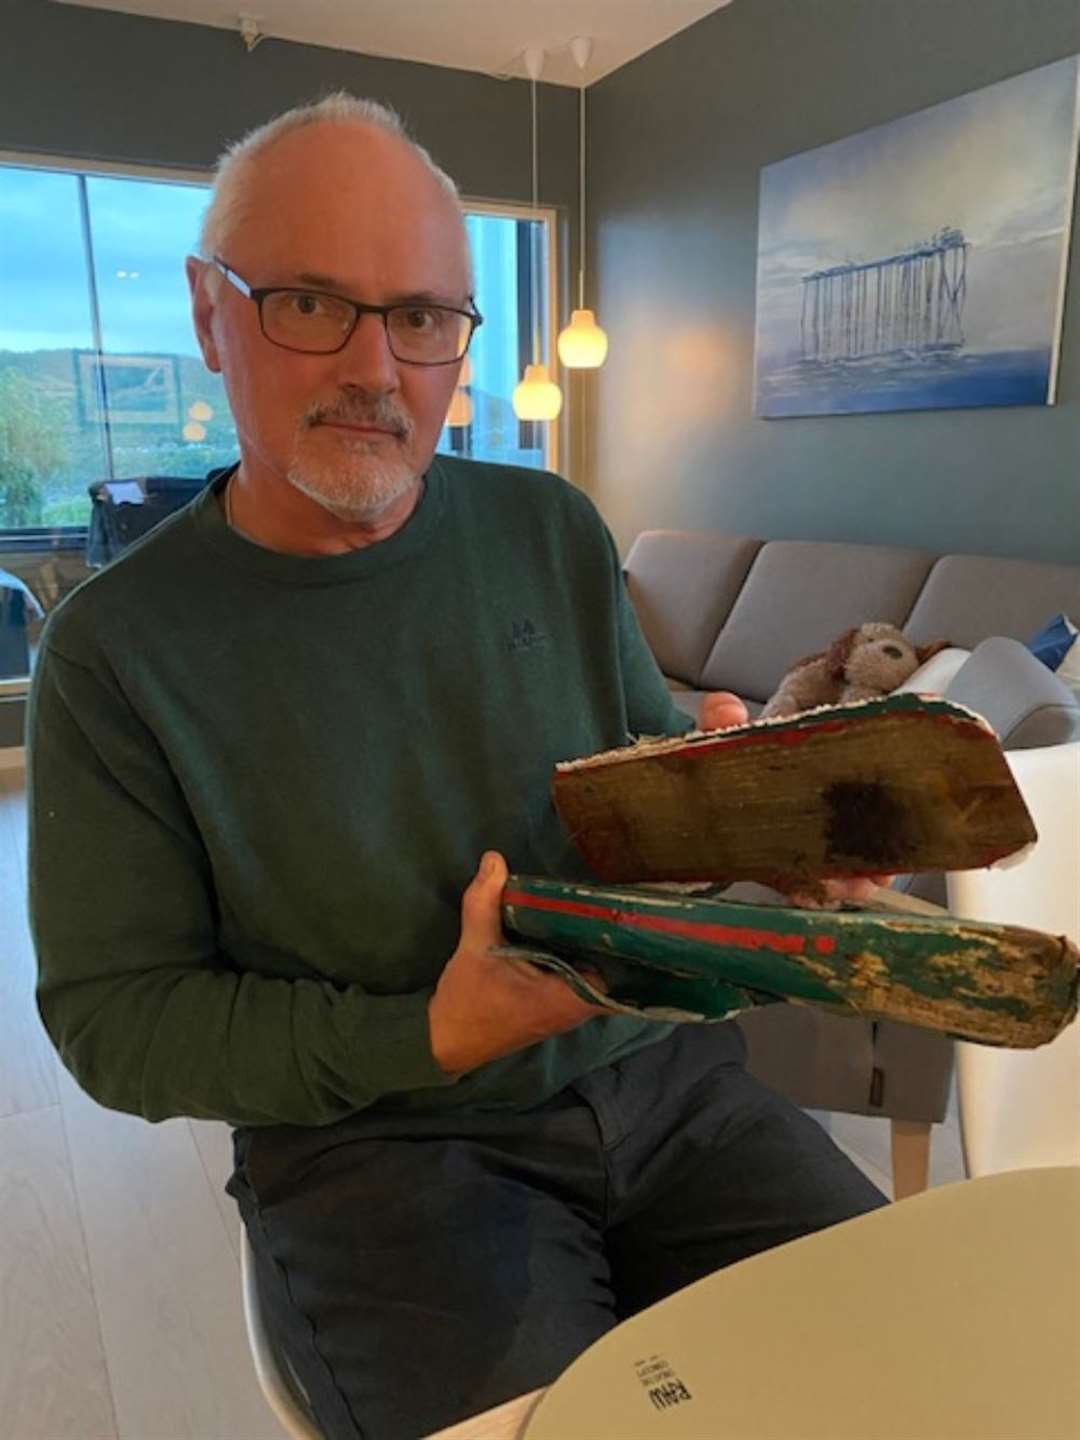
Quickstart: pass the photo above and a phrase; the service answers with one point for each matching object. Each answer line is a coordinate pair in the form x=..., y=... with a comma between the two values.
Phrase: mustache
x=382, y=413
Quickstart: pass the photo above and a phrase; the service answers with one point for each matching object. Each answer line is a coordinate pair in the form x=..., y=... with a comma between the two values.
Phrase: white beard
x=356, y=488
x=359, y=478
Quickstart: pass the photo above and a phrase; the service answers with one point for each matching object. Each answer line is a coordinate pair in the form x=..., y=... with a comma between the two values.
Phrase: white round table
x=953, y=1315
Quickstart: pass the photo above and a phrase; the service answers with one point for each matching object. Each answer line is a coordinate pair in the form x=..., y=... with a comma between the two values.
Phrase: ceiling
x=489, y=36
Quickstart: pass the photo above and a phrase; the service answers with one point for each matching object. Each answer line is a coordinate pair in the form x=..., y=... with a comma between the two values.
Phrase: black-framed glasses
x=315, y=323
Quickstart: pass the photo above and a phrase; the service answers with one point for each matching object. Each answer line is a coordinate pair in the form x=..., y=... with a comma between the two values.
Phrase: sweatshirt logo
x=525, y=636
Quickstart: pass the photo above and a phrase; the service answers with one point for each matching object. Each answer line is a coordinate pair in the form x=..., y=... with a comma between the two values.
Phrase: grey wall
x=677, y=140
x=99, y=85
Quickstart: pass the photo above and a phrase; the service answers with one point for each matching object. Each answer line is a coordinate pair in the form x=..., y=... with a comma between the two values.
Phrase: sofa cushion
x=798, y=597
x=968, y=597
x=682, y=585
x=934, y=676
x=1025, y=702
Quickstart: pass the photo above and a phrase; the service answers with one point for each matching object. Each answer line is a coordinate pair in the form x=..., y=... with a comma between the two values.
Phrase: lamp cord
x=581, y=199
x=532, y=232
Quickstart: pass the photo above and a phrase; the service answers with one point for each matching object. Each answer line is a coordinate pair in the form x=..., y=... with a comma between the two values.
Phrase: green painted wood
x=694, y=956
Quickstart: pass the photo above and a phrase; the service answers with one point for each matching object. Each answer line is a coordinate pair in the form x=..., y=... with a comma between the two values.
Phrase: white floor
x=866, y=1140
x=120, y=1312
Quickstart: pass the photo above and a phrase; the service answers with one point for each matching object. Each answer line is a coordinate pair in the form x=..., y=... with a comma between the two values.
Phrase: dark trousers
x=419, y=1269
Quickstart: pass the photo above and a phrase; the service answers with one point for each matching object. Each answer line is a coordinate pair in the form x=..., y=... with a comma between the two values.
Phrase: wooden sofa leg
x=910, y=1157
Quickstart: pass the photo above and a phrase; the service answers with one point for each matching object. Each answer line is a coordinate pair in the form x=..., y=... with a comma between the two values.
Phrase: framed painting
x=921, y=264
x=132, y=389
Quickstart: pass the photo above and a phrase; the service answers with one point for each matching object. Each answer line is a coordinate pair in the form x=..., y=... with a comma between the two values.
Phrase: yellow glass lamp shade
x=582, y=345
x=537, y=397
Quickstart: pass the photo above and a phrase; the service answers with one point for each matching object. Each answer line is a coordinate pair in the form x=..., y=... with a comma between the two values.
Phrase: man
x=268, y=747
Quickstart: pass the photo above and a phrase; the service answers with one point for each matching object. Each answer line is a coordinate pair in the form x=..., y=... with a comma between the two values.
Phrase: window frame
x=43, y=539
x=548, y=217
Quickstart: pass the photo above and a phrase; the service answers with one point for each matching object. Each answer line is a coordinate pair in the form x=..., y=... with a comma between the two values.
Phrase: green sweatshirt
x=259, y=783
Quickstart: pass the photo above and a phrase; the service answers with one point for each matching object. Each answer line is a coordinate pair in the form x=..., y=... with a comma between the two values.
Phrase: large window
x=505, y=247
x=100, y=375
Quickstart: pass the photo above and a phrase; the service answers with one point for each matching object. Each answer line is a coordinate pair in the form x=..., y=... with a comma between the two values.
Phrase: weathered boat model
x=906, y=783
x=677, y=956
x=881, y=786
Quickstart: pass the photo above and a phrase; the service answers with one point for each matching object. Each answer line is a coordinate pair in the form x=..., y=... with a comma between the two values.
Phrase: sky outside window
x=143, y=404
x=142, y=229
x=44, y=300
x=46, y=445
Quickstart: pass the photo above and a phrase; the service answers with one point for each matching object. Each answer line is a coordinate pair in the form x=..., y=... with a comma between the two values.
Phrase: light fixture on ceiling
x=582, y=345
x=536, y=397
x=460, y=412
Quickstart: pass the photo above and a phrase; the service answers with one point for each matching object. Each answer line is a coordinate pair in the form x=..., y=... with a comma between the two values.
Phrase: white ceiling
x=489, y=36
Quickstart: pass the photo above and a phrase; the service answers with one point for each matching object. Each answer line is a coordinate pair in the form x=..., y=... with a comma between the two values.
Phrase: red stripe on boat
x=744, y=936
x=775, y=735
x=764, y=736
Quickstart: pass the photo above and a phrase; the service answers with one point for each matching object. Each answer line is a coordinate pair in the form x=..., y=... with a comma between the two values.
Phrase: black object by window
x=123, y=511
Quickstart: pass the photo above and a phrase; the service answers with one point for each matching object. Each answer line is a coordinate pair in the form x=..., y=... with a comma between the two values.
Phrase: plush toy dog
x=863, y=664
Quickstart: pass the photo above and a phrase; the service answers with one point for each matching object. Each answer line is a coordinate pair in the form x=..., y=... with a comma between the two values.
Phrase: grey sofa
x=727, y=612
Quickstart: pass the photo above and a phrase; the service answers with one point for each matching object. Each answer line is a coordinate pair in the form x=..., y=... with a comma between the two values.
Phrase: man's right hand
x=486, y=1006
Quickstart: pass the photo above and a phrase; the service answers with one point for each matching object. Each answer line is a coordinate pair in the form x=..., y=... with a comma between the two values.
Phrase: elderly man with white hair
x=268, y=746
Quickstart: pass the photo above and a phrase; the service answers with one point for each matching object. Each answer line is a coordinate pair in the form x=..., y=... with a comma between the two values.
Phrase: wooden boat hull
x=670, y=955
x=897, y=785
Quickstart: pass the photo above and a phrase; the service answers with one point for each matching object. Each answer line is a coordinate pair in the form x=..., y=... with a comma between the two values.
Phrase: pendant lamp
x=537, y=397
x=582, y=345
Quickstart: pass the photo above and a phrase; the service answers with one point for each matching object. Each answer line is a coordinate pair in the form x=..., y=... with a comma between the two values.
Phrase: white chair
x=286, y=1398
x=1020, y=1109
x=279, y=1385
